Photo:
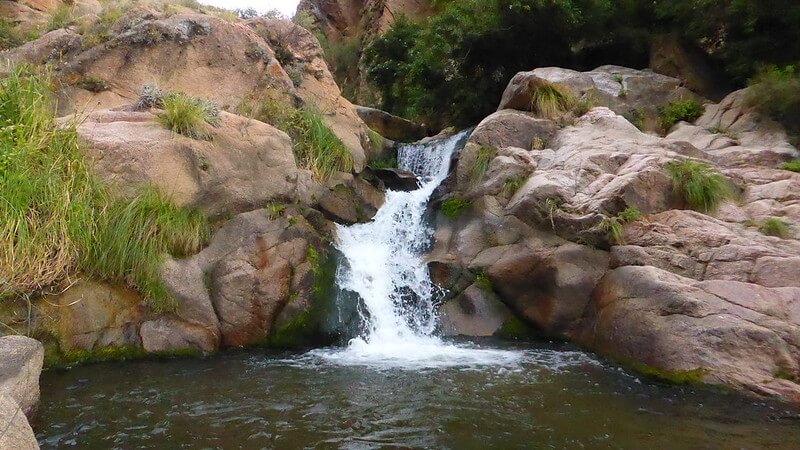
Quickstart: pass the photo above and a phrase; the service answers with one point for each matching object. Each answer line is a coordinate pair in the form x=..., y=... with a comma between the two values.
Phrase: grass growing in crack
x=383, y=163
x=188, y=116
x=275, y=210
x=702, y=188
x=615, y=226
x=482, y=281
x=681, y=111
x=99, y=31
x=57, y=220
x=454, y=207
x=61, y=17
x=483, y=157
x=775, y=227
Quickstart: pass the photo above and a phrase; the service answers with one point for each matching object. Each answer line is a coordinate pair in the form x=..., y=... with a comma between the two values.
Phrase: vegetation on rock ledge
x=699, y=185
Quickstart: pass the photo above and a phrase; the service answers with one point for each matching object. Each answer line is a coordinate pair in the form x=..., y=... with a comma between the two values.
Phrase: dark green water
x=555, y=397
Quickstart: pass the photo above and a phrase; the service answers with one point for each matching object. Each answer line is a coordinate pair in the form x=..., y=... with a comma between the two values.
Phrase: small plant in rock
x=390, y=163
x=552, y=204
x=793, y=166
x=482, y=281
x=150, y=96
x=454, y=207
x=255, y=52
x=483, y=157
x=537, y=143
x=187, y=116
x=681, y=111
x=99, y=31
x=295, y=71
x=775, y=227
x=93, y=84
x=550, y=100
x=376, y=141
x=702, y=188
x=9, y=36
x=630, y=214
x=275, y=210
x=511, y=186
x=636, y=117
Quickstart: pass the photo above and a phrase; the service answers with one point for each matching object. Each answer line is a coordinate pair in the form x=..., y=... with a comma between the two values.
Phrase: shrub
x=776, y=93
x=483, y=157
x=454, y=207
x=58, y=221
x=774, y=227
x=698, y=184
x=686, y=111
x=188, y=116
x=793, y=166
x=61, y=17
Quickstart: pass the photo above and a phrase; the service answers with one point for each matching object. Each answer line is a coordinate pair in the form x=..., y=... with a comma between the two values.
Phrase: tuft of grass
x=483, y=157
x=275, y=210
x=681, y=111
x=550, y=100
x=613, y=227
x=537, y=143
x=58, y=221
x=9, y=36
x=383, y=163
x=793, y=166
x=702, y=188
x=61, y=17
x=376, y=141
x=636, y=117
x=454, y=207
x=775, y=227
x=99, y=31
x=188, y=116
x=482, y=281
x=511, y=186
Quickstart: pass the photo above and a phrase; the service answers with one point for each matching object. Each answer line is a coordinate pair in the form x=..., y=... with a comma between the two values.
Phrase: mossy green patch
x=55, y=358
x=454, y=207
x=694, y=376
x=514, y=328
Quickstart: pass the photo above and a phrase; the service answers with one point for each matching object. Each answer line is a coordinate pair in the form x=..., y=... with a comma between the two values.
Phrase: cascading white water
x=384, y=265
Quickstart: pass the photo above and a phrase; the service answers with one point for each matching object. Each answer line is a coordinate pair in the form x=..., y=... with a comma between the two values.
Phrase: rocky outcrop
x=686, y=295
x=339, y=19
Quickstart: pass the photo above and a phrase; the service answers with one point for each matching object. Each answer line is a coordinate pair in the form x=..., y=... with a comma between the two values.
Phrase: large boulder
x=246, y=164
x=477, y=312
x=16, y=431
x=722, y=332
x=507, y=128
x=21, y=361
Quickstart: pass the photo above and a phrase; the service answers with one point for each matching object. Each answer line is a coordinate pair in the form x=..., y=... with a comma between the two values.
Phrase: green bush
x=698, y=184
x=630, y=214
x=58, y=221
x=775, y=227
x=454, y=207
x=686, y=111
x=188, y=116
x=776, y=93
x=793, y=166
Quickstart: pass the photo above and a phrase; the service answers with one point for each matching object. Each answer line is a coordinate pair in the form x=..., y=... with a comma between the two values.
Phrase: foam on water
x=384, y=265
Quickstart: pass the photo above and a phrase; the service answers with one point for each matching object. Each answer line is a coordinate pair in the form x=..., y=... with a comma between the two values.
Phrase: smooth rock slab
x=21, y=361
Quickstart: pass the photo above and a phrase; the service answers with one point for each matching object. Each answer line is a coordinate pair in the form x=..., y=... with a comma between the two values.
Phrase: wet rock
x=397, y=179
x=21, y=361
x=390, y=126
x=475, y=312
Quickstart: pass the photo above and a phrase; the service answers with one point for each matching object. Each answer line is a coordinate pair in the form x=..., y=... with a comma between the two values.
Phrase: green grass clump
x=774, y=227
x=454, y=207
x=61, y=17
x=58, y=221
x=275, y=210
x=699, y=185
x=316, y=147
x=9, y=36
x=483, y=157
x=188, y=116
x=793, y=166
x=630, y=214
x=686, y=111
x=614, y=226
x=550, y=101
x=390, y=163
x=99, y=31
x=511, y=186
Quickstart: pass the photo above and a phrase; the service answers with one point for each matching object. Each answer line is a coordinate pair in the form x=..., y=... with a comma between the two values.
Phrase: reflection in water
x=551, y=397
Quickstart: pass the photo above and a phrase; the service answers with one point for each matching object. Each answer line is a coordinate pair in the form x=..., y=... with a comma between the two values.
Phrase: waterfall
x=384, y=265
